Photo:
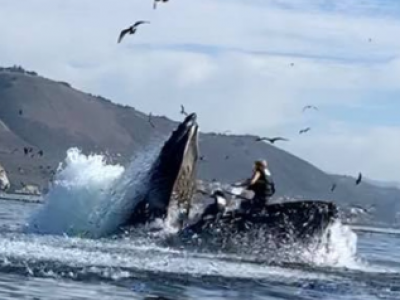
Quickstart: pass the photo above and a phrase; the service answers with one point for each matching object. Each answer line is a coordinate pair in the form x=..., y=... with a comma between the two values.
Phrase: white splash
x=336, y=248
x=89, y=196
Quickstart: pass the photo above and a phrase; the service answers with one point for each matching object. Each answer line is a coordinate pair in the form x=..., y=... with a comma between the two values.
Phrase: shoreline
x=22, y=197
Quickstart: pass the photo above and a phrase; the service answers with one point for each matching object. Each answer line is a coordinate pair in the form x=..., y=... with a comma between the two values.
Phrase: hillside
x=53, y=116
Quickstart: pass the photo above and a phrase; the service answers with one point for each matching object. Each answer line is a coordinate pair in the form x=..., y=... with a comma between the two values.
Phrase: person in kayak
x=263, y=186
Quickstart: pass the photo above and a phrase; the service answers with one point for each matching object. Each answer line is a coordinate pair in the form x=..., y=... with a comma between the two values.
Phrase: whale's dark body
x=172, y=185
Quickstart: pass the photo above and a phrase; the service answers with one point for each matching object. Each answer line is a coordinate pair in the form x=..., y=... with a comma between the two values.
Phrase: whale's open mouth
x=172, y=178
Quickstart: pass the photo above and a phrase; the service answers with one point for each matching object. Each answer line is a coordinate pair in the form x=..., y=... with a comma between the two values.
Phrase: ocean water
x=57, y=251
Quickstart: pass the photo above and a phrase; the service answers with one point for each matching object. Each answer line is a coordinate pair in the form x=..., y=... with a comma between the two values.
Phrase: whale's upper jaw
x=190, y=120
x=185, y=131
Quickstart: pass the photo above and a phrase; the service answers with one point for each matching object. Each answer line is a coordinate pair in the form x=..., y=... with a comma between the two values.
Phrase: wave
x=89, y=196
x=132, y=258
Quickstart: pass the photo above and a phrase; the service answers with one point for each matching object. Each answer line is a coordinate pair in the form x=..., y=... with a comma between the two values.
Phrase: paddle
x=227, y=192
x=236, y=195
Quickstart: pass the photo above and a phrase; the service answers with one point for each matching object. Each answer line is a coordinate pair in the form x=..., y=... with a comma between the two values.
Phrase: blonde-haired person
x=262, y=184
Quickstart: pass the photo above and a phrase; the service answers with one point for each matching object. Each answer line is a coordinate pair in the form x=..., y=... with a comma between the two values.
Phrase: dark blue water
x=59, y=267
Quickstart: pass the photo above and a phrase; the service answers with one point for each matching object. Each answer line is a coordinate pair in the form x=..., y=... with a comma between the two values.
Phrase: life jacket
x=264, y=186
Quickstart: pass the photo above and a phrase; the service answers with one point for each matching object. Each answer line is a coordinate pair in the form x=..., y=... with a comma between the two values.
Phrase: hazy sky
x=248, y=66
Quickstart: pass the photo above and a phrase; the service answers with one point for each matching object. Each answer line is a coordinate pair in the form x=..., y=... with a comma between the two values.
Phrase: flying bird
x=271, y=140
x=333, y=187
x=359, y=178
x=131, y=30
x=183, y=111
x=156, y=1
x=309, y=107
x=304, y=130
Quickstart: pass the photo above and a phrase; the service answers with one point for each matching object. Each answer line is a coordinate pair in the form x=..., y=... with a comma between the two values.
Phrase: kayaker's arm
x=253, y=180
x=241, y=183
x=248, y=182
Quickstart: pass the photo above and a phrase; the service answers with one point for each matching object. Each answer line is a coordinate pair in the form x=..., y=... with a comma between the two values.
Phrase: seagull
x=359, y=178
x=310, y=107
x=131, y=30
x=150, y=121
x=333, y=187
x=183, y=111
x=304, y=130
x=155, y=3
x=271, y=140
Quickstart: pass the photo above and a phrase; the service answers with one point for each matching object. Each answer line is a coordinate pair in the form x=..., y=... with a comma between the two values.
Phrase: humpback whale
x=171, y=186
x=172, y=178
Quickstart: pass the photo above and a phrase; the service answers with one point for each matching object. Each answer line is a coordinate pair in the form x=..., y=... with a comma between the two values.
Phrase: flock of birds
x=28, y=151
x=32, y=153
x=302, y=131
x=272, y=140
